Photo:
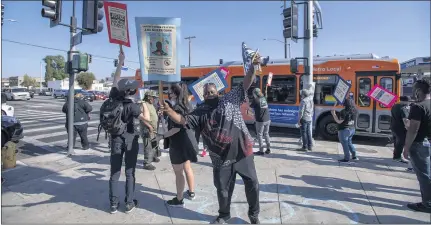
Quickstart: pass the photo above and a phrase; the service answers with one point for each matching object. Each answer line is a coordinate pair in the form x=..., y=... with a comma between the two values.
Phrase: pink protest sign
x=382, y=95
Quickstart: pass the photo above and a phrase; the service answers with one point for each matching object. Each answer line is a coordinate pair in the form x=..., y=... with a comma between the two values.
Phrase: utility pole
x=285, y=39
x=190, y=46
x=41, y=71
x=308, y=42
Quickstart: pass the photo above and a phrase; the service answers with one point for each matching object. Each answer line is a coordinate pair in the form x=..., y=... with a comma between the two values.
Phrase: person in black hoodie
x=183, y=147
x=80, y=120
x=399, y=114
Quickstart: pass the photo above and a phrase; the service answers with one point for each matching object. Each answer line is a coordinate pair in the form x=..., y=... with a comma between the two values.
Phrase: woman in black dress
x=183, y=147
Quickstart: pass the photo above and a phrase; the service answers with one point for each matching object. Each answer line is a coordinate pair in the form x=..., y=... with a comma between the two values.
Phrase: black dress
x=182, y=145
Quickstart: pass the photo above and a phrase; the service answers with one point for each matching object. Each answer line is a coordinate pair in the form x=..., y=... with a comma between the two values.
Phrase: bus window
x=237, y=80
x=364, y=88
x=386, y=83
x=282, y=90
x=324, y=88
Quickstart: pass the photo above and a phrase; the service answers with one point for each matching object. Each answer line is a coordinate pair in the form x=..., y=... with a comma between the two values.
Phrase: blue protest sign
x=159, y=41
x=216, y=77
x=341, y=90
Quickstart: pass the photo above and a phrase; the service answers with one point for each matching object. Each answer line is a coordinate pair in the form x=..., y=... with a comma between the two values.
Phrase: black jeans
x=224, y=181
x=130, y=148
x=82, y=131
x=399, y=141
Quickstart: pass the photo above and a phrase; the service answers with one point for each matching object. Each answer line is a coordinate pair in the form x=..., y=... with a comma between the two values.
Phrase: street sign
x=382, y=95
x=77, y=39
x=116, y=19
x=341, y=90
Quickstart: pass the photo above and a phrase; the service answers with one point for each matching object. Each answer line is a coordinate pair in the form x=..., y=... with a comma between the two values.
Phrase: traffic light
x=290, y=21
x=53, y=12
x=314, y=30
x=220, y=61
x=293, y=66
x=92, y=15
x=90, y=58
x=2, y=13
x=115, y=62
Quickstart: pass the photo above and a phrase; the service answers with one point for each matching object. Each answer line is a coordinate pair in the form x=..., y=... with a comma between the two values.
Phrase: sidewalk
x=296, y=187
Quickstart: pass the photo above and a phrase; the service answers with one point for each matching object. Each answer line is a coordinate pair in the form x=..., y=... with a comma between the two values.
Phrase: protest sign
x=268, y=83
x=341, y=90
x=382, y=95
x=159, y=45
x=116, y=19
x=216, y=77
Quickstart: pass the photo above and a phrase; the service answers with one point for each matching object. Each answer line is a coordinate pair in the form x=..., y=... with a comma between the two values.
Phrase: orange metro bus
x=362, y=71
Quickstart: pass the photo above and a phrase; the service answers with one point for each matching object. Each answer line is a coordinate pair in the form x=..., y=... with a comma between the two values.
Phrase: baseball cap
x=127, y=84
x=151, y=93
x=257, y=91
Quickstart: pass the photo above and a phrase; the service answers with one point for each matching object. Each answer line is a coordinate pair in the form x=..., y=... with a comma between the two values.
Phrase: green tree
x=54, y=68
x=85, y=80
x=102, y=81
x=28, y=81
x=113, y=74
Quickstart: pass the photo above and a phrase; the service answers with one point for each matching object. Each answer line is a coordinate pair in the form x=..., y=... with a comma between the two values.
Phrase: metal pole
x=190, y=47
x=308, y=40
x=70, y=97
x=290, y=56
x=41, y=71
x=285, y=39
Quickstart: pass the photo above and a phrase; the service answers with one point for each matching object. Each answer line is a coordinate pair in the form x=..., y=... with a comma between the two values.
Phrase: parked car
x=17, y=93
x=88, y=96
x=11, y=130
x=45, y=93
x=102, y=95
x=60, y=93
x=6, y=110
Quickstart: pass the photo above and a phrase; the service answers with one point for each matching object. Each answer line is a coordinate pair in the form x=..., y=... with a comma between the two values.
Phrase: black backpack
x=111, y=121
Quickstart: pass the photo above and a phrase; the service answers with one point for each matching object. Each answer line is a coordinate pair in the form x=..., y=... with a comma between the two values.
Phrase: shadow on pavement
x=82, y=191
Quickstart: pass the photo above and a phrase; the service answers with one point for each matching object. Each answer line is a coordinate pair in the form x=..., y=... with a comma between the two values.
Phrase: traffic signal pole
x=285, y=39
x=308, y=42
x=70, y=97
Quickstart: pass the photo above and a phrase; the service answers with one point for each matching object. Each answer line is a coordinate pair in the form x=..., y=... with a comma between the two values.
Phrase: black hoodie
x=82, y=108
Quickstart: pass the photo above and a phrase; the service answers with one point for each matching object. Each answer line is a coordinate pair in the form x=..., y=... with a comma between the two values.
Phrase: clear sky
x=400, y=29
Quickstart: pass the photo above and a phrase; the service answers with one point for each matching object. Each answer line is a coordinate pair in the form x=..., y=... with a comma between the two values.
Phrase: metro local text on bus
x=327, y=69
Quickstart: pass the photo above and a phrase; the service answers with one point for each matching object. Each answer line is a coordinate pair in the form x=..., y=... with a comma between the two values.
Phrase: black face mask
x=213, y=102
x=132, y=92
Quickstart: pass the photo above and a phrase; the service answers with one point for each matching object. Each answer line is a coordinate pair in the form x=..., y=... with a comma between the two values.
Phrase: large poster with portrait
x=159, y=45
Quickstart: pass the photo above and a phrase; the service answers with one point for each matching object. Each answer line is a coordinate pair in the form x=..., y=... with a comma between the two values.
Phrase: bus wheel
x=328, y=128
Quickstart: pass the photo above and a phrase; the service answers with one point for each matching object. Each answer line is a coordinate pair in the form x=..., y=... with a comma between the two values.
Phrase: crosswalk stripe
x=21, y=119
x=44, y=112
x=54, y=127
x=58, y=133
x=42, y=120
x=77, y=139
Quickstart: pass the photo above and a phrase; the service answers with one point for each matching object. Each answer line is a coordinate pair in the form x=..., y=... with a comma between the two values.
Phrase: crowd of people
x=224, y=133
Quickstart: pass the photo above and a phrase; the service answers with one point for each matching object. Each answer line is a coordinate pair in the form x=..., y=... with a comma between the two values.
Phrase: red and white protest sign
x=268, y=83
x=382, y=96
x=116, y=19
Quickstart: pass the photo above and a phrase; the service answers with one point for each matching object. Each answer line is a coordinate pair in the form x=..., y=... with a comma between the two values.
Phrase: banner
x=116, y=20
x=382, y=95
x=268, y=83
x=341, y=90
x=159, y=40
x=216, y=77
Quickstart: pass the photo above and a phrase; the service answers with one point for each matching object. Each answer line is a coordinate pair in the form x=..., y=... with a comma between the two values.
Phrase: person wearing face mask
x=148, y=130
x=261, y=114
x=229, y=142
x=183, y=148
x=119, y=114
x=417, y=144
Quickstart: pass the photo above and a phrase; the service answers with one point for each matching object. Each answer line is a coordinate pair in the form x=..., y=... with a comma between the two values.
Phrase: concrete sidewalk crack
x=278, y=196
x=366, y=195
x=163, y=197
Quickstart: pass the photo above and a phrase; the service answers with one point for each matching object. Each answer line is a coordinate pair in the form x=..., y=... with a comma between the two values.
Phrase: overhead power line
x=60, y=50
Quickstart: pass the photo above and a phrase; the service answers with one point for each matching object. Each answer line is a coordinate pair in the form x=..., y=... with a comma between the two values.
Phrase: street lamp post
x=41, y=71
x=283, y=42
x=190, y=43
